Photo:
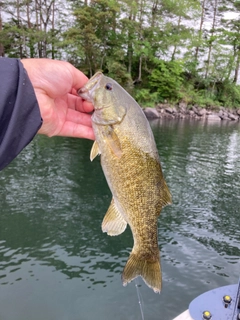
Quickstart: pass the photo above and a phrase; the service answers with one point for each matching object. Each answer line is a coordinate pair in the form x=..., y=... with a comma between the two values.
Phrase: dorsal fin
x=166, y=197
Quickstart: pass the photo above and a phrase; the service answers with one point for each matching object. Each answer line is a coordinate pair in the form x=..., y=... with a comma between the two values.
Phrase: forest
x=160, y=50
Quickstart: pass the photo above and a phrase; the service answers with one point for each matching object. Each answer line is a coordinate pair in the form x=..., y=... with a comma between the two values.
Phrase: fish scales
x=130, y=161
x=134, y=173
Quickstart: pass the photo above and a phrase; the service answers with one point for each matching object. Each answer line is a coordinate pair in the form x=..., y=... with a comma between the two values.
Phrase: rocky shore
x=183, y=111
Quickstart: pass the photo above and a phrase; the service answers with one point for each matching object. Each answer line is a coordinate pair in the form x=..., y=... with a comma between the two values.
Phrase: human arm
x=20, y=118
x=47, y=104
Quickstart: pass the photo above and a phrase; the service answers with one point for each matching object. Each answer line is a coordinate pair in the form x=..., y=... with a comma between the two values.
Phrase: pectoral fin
x=114, y=143
x=113, y=222
x=94, y=151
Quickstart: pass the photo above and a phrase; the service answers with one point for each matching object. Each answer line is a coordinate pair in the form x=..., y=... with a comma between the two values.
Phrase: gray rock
x=182, y=116
x=201, y=112
x=182, y=106
x=160, y=106
x=174, y=110
x=224, y=114
x=195, y=109
x=224, y=117
x=213, y=117
x=232, y=117
x=182, y=110
x=169, y=110
x=151, y=113
x=220, y=113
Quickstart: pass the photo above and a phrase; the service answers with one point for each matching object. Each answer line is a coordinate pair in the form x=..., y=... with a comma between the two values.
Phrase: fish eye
x=108, y=86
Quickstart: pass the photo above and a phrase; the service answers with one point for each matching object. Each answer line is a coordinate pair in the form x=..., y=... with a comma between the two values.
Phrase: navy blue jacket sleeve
x=20, y=117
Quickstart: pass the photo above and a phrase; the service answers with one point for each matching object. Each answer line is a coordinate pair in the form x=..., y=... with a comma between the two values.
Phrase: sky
x=231, y=15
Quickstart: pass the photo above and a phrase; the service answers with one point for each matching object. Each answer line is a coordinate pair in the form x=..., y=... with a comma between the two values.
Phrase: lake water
x=55, y=262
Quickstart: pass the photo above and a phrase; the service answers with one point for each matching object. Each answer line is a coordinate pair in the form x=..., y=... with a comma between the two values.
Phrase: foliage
x=166, y=79
x=145, y=98
x=118, y=71
x=228, y=94
x=158, y=50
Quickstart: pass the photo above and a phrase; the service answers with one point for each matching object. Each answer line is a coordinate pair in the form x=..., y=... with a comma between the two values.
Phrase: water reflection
x=53, y=200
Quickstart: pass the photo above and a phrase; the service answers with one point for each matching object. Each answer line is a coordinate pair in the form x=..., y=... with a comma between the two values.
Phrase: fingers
x=87, y=106
x=79, y=78
x=77, y=125
x=55, y=84
x=77, y=103
x=56, y=78
x=76, y=130
x=79, y=118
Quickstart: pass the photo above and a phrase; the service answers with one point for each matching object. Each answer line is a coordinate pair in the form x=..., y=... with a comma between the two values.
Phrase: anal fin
x=113, y=222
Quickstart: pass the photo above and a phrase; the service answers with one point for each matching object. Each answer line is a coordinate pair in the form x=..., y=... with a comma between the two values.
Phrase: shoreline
x=182, y=111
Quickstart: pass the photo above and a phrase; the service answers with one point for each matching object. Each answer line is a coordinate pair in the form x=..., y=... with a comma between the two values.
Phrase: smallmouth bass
x=130, y=162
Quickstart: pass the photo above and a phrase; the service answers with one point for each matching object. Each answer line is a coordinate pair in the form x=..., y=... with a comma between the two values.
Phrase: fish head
x=106, y=95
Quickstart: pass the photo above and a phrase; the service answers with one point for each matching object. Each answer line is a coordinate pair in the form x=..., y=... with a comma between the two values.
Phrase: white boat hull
x=223, y=303
x=184, y=316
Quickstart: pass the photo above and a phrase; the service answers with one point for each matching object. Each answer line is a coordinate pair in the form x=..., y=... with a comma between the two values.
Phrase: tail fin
x=149, y=270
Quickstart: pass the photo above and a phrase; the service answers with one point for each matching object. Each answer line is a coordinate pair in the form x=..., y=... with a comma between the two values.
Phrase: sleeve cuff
x=20, y=117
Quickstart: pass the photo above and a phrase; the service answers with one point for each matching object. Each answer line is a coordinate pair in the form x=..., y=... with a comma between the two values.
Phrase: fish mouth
x=101, y=108
x=87, y=91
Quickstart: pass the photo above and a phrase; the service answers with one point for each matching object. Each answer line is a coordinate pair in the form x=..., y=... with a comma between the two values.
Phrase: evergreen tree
x=158, y=49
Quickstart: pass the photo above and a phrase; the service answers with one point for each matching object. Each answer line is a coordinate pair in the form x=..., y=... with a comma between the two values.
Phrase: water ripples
x=53, y=200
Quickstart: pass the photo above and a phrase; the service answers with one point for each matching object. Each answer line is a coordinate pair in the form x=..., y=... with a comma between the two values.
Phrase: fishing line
x=140, y=299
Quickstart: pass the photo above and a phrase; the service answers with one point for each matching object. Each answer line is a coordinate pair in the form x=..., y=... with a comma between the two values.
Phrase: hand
x=63, y=112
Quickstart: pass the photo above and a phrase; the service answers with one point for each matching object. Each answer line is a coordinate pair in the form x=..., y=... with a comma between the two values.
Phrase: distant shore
x=182, y=111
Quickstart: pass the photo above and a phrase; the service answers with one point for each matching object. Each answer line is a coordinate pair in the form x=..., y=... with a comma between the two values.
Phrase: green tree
x=97, y=34
x=30, y=28
x=230, y=36
x=167, y=80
